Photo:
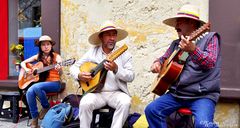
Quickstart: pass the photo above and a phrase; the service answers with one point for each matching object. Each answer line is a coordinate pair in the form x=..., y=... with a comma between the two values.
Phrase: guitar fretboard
x=46, y=68
x=192, y=37
x=64, y=63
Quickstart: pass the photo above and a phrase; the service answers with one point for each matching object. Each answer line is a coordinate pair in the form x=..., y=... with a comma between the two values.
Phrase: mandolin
x=96, y=69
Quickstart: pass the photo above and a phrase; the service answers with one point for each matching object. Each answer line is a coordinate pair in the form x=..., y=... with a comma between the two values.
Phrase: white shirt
x=113, y=81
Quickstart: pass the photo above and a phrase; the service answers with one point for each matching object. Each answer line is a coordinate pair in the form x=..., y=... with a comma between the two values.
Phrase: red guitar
x=24, y=79
x=171, y=68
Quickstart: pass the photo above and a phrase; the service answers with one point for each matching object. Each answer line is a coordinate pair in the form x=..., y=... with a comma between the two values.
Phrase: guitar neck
x=175, y=52
x=46, y=68
x=63, y=63
x=192, y=37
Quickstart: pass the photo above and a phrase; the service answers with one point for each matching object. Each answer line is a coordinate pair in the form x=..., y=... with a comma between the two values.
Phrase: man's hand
x=156, y=67
x=187, y=45
x=84, y=76
x=111, y=65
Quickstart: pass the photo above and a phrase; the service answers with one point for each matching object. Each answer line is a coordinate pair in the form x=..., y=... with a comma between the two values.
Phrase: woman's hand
x=58, y=67
x=28, y=70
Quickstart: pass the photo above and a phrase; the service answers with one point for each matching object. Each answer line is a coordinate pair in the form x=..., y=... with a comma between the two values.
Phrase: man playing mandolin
x=198, y=85
x=112, y=87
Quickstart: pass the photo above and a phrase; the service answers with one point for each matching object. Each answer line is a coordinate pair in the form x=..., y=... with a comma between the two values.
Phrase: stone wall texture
x=148, y=39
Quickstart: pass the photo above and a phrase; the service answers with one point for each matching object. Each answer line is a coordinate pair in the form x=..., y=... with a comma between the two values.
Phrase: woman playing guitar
x=49, y=81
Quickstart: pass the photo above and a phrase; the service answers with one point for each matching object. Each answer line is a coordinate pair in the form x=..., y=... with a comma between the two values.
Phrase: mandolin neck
x=110, y=57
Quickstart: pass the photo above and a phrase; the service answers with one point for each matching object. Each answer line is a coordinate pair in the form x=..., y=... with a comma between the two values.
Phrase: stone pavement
x=7, y=123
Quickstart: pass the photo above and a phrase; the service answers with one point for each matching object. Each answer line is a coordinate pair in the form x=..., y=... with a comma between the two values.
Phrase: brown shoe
x=43, y=113
x=34, y=123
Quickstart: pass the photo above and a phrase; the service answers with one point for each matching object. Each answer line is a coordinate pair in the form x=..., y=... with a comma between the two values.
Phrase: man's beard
x=111, y=45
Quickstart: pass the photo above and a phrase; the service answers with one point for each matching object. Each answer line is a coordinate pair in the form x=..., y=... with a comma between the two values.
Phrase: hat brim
x=172, y=21
x=95, y=40
x=37, y=42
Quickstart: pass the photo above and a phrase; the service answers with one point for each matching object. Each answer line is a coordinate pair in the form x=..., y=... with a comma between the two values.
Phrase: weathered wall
x=148, y=39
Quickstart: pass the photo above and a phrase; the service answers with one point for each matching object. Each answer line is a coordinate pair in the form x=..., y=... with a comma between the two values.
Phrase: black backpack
x=74, y=101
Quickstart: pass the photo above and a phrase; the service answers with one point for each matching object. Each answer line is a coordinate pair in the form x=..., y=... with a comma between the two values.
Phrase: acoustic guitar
x=25, y=79
x=96, y=69
x=172, y=66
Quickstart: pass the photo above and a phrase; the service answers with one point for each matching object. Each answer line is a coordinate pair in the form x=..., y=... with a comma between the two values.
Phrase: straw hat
x=106, y=26
x=44, y=38
x=186, y=11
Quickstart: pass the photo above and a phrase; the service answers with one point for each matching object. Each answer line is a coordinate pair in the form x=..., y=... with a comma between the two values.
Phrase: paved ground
x=7, y=123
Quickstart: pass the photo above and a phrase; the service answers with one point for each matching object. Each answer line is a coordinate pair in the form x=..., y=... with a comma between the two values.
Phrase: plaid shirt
x=205, y=59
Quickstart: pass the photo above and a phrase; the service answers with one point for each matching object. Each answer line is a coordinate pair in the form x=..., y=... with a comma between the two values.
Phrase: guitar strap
x=102, y=81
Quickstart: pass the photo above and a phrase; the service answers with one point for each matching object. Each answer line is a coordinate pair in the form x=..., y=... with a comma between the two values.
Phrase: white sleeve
x=75, y=68
x=125, y=70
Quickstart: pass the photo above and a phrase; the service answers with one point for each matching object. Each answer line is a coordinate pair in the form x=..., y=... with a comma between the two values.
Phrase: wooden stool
x=186, y=116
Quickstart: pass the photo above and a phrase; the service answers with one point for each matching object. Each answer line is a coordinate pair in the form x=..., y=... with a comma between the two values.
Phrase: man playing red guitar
x=198, y=85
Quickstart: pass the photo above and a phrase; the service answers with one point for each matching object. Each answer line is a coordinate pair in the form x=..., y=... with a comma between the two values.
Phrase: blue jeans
x=203, y=111
x=39, y=90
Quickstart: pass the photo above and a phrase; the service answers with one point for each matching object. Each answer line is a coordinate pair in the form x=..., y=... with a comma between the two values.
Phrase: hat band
x=107, y=28
x=191, y=15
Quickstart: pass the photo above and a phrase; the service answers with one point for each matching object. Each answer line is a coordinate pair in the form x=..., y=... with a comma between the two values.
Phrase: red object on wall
x=4, y=40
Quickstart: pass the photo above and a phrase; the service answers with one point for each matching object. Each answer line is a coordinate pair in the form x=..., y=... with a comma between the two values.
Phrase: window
x=29, y=29
x=19, y=15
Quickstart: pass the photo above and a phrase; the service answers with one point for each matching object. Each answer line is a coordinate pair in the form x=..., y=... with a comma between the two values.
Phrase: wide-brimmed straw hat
x=44, y=38
x=186, y=11
x=106, y=26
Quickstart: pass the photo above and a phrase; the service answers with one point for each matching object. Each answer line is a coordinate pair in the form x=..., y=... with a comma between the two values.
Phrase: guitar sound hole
x=35, y=72
x=87, y=84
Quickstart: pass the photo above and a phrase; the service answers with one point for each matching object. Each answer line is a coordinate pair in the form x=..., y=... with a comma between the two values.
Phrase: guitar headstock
x=200, y=31
x=68, y=62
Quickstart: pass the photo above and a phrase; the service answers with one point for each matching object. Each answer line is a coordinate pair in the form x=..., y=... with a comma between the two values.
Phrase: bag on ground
x=57, y=116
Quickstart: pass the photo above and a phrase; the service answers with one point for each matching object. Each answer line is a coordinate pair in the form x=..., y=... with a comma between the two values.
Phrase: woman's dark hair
x=40, y=55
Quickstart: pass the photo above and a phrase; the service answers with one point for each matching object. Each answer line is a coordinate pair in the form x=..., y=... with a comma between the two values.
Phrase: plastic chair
x=102, y=118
